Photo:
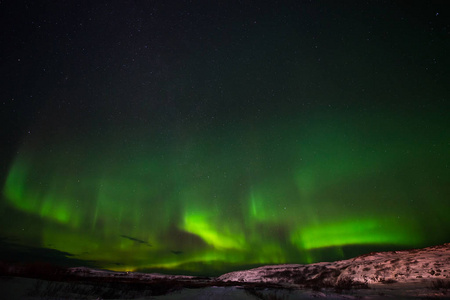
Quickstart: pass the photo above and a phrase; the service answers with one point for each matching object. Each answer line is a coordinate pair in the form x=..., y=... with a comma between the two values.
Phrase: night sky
x=198, y=137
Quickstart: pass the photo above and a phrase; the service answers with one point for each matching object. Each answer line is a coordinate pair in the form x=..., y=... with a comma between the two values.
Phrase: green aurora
x=248, y=197
x=208, y=136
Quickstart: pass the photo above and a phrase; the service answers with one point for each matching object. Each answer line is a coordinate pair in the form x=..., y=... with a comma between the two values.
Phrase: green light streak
x=354, y=232
x=204, y=227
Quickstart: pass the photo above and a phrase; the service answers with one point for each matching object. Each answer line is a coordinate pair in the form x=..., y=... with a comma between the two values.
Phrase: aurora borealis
x=198, y=138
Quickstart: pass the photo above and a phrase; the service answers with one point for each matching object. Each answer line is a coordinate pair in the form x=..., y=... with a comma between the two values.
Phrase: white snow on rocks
x=381, y=267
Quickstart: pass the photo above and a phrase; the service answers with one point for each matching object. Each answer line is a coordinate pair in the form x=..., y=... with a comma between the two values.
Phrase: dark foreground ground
x=104, y=288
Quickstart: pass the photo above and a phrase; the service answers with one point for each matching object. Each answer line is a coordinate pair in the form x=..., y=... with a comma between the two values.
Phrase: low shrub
x=388, y=281
x=258, y=293
x=440, y=284
x=348, y=283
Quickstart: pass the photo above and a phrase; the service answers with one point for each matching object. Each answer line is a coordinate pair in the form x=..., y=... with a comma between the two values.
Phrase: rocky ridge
x=381, y=267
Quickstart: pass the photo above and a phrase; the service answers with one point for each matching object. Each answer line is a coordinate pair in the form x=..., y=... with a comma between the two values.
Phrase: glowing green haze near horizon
x=260, y=196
